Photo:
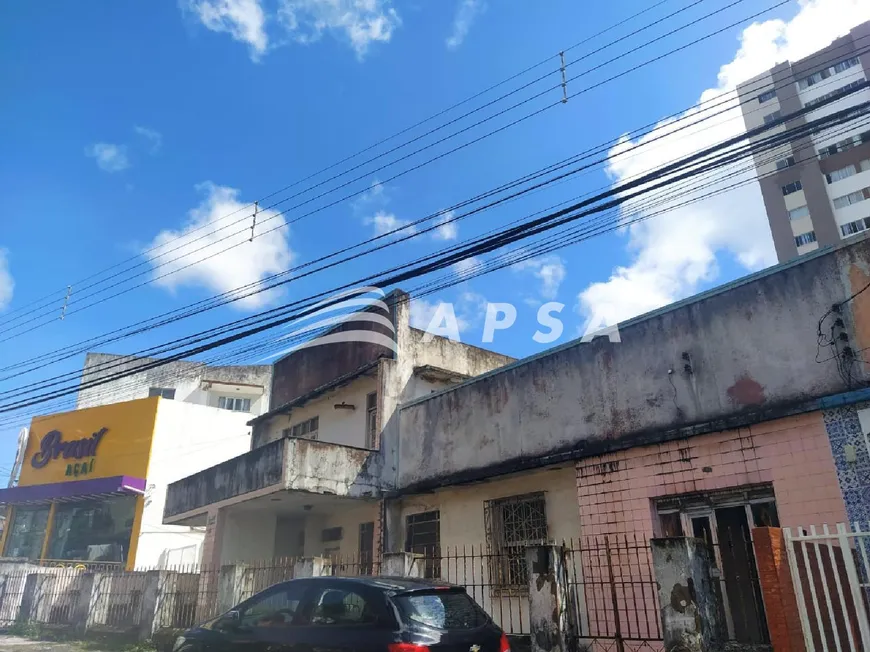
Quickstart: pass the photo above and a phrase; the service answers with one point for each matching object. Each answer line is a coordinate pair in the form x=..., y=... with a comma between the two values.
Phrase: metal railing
x=614, y=593
x=830, y=569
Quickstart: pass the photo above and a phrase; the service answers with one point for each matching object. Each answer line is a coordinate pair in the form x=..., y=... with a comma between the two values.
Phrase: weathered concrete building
x=239, y=388
x=314, y=479
x=743, y=406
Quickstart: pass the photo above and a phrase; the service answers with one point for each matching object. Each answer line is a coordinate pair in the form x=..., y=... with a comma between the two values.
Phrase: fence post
x=689, y=604
x=229, y=586
x=777, y=590
x=98, y=603
x=549, y=599
x=167, y=595
x=79, y=615
x=28, y=597
x=402, y=564
x=310, y=566
x=148, y=617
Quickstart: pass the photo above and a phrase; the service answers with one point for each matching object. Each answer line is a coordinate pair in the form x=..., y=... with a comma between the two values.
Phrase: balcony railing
x=285, y=464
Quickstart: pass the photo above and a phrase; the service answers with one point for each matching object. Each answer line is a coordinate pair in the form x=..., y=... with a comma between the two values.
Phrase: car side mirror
x=231, y=620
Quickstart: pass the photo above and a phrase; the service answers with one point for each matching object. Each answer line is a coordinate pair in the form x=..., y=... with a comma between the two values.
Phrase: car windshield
x=442, y=609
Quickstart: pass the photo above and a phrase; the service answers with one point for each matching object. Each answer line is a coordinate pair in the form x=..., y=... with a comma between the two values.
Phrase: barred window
x=512, y=524
x=423, y=537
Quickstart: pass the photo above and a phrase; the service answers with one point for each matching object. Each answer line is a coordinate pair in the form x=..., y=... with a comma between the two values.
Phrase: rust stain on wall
x=746, y=391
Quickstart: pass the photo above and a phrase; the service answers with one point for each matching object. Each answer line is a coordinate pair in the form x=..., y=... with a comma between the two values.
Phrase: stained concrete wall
x=745, y=352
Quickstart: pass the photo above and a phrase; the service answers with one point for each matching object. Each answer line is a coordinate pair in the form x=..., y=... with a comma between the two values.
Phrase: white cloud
x=247, y=263
x=360, y=22
x=469, y=308
x=675, y=252
x=384, y=222
x=109, y=157
x=549, y=270
x=7, y=285
x=446, y=230
x=152, y=136
x=466, y=13
x=467, y=266
x=244, y=20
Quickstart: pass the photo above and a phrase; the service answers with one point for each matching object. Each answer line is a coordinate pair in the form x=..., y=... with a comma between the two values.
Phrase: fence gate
x=831, y=575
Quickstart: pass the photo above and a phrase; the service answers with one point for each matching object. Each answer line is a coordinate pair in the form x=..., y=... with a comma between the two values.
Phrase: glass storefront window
x=27, y=532
x=93, y=530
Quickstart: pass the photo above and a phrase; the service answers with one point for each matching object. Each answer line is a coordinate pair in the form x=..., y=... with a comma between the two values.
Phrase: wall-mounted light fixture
x=344, y=406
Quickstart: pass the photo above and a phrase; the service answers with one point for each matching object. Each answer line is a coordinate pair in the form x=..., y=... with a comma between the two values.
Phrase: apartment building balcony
x=298, y=466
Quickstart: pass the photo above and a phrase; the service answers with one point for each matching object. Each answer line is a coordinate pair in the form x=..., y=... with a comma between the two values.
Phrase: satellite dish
x=19, y=457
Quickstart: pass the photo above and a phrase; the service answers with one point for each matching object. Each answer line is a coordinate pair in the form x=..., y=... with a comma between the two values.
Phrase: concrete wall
x=738, y=354
x=248, y=536
x=187, y=438
x=185, y=377
x=347, y=427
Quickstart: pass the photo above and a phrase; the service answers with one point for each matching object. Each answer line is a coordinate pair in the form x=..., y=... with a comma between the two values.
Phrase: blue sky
x=124, y=122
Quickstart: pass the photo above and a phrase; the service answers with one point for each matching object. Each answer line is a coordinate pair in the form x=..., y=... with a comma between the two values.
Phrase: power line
x=667, y=175
x=672, y=130
x=354, y=194
x=407, y=130
x=590, y=230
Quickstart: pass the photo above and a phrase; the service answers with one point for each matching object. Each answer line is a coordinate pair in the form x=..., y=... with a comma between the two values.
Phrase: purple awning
x=72, y=490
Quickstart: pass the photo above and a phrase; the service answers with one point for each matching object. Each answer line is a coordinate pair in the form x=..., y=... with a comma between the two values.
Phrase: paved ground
x=16, y=644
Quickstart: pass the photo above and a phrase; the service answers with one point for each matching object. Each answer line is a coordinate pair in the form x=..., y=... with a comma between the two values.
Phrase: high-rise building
x=816, y=188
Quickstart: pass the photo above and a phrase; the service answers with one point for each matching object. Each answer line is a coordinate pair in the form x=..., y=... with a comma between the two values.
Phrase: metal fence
x=830, y=569
x=614, y=593
x=503, y=595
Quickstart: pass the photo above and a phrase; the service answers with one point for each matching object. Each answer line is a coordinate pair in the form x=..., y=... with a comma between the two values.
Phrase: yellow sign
x=98, y=442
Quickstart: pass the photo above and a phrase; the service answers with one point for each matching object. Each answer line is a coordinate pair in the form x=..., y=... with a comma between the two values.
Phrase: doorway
x=724, y=521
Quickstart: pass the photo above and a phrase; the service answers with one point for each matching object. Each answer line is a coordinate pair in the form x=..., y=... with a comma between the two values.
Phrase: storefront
x=82, y=489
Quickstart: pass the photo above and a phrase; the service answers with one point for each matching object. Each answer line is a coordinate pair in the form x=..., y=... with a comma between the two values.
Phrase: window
x=767, y=95
x=789, y=188
x=841, y=90
x=305, y=430
x=162, y=392
x=339, y=606
x=235, y=404
x=372, y=420
x=855, y=227
x=842, y=173
x=852, y=198
x=784, y=163
x=865, y=165
x=423, y=537
x=799, y=212
x=26, y=533
x=93, y=530
x=772, y=117
x=845, y=65
x=331, y=534
x=277, y=608
x=814, y=79
x=442, y=609
x=805, y=238
x=512, y=524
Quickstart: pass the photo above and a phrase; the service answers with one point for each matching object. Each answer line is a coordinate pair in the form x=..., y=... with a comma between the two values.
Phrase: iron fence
x=613, y=591
x=481, y=571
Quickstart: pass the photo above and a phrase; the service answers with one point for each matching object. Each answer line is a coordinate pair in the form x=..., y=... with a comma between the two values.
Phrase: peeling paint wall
x=744, y=351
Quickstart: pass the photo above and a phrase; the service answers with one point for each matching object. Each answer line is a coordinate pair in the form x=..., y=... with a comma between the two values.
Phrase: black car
x=360, y=614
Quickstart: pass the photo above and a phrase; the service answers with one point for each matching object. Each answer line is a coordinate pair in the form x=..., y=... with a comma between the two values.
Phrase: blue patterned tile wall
x=844, y=428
